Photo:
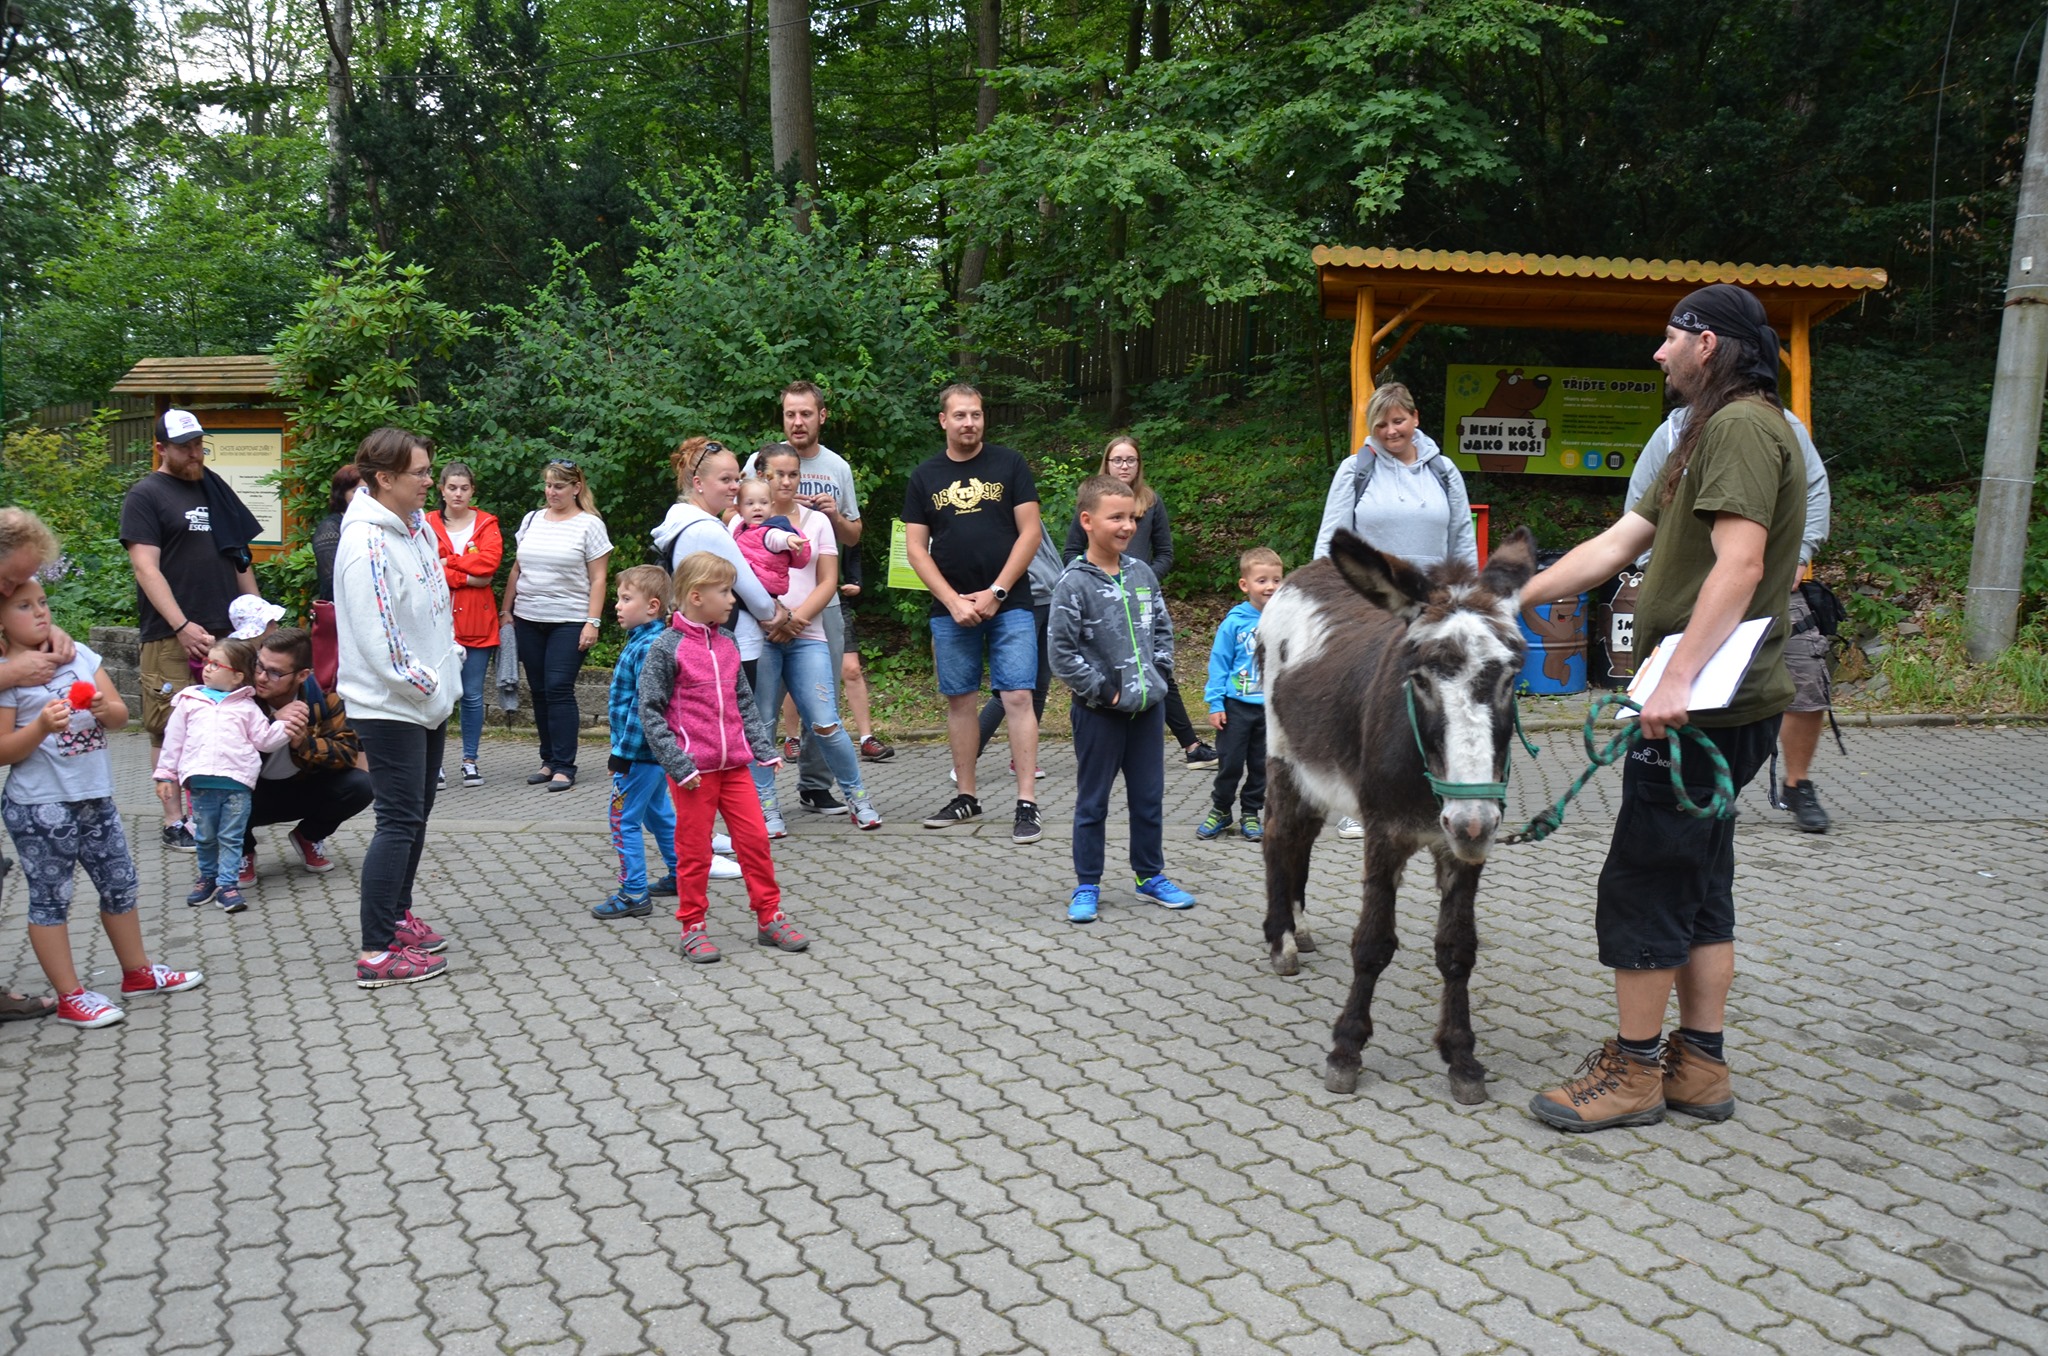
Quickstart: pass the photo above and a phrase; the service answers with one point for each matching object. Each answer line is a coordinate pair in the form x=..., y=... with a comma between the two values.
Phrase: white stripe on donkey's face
x=1470, y=673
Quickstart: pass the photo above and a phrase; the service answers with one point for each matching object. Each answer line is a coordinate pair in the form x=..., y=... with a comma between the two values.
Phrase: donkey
x=1369, y=662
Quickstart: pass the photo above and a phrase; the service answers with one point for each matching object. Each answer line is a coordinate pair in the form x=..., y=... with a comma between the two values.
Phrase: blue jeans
x=1105, y=744
x=804, y=667
x=221, y=820
x=549, y=654
x=474, y=662
x=640, y=801
x=1009, y=641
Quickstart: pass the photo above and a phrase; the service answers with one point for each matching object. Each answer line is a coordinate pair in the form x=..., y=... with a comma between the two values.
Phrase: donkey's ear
x=1510, y=565
x=1388, y=582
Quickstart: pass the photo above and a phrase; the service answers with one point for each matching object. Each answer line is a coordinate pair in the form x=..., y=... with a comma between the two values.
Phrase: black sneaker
x=958, y=810
x=1202, y=755
x=820, y=802
x=1026, y=829
x=1804, y=803
x=178, y=838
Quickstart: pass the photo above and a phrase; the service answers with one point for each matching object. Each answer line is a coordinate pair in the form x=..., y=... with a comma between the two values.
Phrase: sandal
x=15, y=1007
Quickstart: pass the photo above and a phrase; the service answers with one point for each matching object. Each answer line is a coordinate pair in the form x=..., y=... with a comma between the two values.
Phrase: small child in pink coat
x=772, y=545
x=214, y=747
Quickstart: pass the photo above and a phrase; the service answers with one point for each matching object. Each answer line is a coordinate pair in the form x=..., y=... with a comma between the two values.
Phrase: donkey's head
x=1461, y=656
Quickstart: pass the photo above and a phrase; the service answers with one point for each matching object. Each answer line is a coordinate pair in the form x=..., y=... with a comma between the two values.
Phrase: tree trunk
x=338, y=20
x=1162, y=30
x=792, y=116
x=988, y=53
x=746, y=87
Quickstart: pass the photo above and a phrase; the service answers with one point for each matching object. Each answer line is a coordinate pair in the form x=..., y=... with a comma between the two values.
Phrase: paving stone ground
x=958, y=1124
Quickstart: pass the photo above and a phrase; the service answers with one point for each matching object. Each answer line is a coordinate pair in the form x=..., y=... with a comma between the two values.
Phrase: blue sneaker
x=1213, y=826
x=1081, y=908
x=1165, y=893
x=1252, y=830
x=203, y=891
x=623, y=905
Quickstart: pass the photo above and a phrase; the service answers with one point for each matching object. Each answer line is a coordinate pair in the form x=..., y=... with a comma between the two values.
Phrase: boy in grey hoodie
x=1112, y=643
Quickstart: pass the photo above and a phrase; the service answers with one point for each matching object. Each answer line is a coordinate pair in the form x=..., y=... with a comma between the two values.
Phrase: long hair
x=569, y=473
x=1723, y=380
x=1143, y=493
x=690, y=456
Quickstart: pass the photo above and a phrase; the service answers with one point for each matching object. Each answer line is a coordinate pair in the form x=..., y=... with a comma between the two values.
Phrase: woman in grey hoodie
x=1400, y=492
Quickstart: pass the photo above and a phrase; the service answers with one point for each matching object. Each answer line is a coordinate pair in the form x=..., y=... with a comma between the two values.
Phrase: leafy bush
x=727, y=304
x=67, y=479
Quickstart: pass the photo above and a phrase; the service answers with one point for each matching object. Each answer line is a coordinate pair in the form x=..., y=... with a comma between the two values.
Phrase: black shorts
x=1669, y=881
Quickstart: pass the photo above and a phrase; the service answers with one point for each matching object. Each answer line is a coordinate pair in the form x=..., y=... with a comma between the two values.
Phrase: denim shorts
x=1008, y=639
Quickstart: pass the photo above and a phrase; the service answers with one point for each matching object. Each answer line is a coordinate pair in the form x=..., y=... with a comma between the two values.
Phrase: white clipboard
x=1714, y=689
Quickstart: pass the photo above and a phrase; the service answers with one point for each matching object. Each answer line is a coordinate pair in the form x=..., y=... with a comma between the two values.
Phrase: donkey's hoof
x=1286, y=955
x=1304, y=943
x=1339, y=1079
x=1468, y=1091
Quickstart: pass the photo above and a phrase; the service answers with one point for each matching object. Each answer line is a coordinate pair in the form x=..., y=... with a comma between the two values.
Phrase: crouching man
x=317, y=780
x=1725, y=519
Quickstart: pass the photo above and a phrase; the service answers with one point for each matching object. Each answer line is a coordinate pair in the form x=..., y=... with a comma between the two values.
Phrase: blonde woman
x=554, y=598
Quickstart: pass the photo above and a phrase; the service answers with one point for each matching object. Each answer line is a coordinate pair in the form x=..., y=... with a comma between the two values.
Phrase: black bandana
x=1733, y=313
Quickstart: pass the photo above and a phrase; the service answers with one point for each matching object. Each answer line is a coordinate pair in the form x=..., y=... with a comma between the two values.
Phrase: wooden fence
x=128, y=437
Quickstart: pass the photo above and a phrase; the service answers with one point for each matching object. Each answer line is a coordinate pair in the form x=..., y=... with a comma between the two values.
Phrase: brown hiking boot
x=1612, y=1087
x=1695, y=1083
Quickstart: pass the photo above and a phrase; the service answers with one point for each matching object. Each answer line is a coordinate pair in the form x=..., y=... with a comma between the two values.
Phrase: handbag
x=326, y=646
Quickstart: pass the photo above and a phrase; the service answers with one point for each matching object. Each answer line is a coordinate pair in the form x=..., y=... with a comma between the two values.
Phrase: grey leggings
x=54, y=840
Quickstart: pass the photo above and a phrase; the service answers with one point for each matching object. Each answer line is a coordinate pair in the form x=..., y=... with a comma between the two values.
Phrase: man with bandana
x=1723, y=525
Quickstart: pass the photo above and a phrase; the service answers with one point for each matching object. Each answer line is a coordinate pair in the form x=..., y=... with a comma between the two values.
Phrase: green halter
x=1443, y=790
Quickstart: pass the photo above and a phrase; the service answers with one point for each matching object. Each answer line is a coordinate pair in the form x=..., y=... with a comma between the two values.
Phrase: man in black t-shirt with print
x=183, y=582
x=971, y=526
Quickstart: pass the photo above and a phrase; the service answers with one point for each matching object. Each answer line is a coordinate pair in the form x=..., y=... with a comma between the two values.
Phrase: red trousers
x=730, y=793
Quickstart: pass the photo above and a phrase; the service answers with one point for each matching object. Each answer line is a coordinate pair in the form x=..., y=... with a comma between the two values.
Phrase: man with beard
x=317, y=780
x=1724, y=520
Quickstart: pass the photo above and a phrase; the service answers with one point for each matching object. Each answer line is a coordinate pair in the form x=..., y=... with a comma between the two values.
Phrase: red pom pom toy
x=81, y=694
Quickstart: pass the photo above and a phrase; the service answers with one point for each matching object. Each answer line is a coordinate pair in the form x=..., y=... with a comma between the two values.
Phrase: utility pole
x=2013, y=439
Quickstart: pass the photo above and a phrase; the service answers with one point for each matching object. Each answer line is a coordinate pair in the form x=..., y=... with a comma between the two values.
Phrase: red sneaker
x=160, y=979
x=87, y=1009
x=400, y=965
x=310, y=852
x=782, y=934
x=248, y=872
x=417, y=935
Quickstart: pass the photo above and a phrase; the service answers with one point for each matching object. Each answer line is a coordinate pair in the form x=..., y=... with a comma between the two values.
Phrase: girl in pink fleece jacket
x=214, y=747
x=698, y=714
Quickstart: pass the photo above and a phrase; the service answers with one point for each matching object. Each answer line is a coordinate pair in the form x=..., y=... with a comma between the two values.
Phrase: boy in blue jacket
x=1237, y=700
x=1112, y=643
x=640, y=797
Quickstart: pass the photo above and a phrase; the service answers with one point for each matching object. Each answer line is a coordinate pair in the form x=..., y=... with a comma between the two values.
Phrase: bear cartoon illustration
x=1515, y=396
x=1563, y=631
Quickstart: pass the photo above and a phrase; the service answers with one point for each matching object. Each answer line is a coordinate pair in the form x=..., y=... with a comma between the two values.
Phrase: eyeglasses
x=1123, y=461
x=563, y=463
x=211, y=665
x=273, y=674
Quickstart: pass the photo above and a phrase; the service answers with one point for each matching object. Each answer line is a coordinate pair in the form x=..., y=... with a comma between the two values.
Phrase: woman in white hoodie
x=708, y=479
x=401, y=676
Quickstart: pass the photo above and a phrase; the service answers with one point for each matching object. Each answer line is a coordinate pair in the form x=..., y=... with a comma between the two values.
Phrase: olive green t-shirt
x=1747, y=463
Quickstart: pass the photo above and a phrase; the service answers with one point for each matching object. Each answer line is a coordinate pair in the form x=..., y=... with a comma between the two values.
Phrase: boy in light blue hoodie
x=1237, y=701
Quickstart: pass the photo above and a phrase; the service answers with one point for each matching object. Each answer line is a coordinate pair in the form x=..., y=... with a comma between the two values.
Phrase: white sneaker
x=724, y=868
x=1347, y=827
x=721, y=844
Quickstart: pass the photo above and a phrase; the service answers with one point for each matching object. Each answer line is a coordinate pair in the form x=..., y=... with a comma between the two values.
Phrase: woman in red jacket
x=471, y=550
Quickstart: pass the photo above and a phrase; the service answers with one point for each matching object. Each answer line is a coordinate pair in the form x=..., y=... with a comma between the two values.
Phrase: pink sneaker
x=417, y=935
x=399, y=965
x=87, y=1009
x=247, y=877
x=160, y=979
x=310, y=852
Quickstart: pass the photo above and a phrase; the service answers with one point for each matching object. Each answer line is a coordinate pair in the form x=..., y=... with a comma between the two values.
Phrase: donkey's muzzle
x=1469, y=825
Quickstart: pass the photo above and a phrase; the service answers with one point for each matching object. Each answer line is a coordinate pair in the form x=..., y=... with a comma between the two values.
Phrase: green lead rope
x=1721, y=805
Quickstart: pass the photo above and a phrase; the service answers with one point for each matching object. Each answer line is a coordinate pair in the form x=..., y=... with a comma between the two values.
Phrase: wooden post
x=1802, y=365
x=1362, y=330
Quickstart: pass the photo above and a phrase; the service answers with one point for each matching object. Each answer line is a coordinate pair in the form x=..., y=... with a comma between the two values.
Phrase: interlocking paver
x=957, y=1124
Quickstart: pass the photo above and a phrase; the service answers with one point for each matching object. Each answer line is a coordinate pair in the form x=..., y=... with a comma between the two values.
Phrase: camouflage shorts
x=1806, y=659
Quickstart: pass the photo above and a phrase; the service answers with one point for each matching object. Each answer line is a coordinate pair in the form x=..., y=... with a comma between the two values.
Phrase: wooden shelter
x=1382, y=291
x=248, y=426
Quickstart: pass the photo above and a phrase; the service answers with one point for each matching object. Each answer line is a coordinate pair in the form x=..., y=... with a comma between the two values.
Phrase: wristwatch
x=1001, y=594
x=598, y=622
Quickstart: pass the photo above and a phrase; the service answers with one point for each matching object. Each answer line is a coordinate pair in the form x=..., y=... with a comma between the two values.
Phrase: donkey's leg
x=1457, y=949
x=1291, y=828
x=1372, y=947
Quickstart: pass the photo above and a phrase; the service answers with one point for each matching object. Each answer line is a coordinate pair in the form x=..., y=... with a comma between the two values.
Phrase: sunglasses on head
x=564, y=464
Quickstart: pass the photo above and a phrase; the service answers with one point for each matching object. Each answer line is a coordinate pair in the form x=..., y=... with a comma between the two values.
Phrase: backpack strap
x=1363, y=467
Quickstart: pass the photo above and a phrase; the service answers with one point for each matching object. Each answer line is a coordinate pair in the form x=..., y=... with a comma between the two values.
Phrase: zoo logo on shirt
x=967, y=496
x=199, y=519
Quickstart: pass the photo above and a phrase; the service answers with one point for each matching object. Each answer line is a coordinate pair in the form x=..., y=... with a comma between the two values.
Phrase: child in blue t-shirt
x=59, y=809
x=1237, y=701
x=640, y=799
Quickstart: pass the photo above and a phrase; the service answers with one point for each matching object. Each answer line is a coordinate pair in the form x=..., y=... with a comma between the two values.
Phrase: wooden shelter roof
x=1567, y=292
x=245, y=377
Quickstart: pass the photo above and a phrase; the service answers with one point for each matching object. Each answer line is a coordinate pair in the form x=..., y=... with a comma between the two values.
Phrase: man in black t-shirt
x=971, y=526
x=183, y=581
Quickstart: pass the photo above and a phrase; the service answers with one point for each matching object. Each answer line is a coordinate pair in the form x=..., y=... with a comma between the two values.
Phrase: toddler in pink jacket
x=214, y=747
x=772, y=545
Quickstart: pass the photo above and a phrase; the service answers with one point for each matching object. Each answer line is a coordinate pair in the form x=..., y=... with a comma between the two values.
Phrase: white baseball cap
x=250, y=615
x=178, y=426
